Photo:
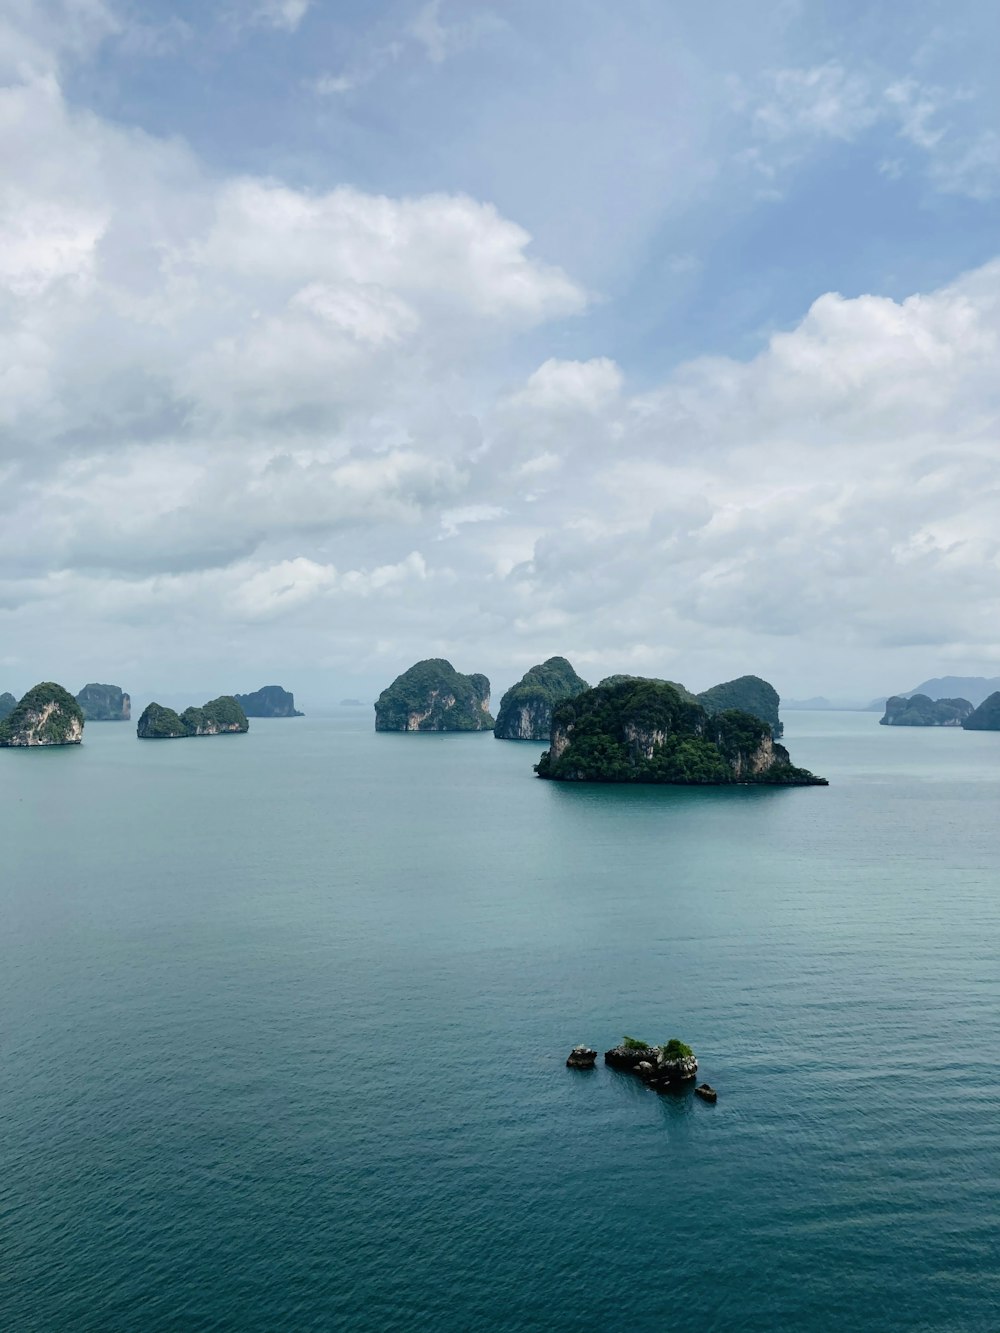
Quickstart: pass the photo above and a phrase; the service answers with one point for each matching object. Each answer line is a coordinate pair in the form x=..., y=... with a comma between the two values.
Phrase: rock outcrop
x=433, y=696
x=525, y=712
x=219, y=717
x=581, y=1057
x=643, y=731
x=268, y=701
x=7, y=705
x=986, y=717
x=104, y=703
x=46, y=715
x=662, y=1068
x=747, y=694
x=919, y=710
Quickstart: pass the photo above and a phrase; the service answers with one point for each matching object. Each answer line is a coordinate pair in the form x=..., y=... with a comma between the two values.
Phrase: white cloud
x=284, y=14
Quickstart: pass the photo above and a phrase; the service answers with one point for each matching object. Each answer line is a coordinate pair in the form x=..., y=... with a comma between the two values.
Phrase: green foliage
x=425, y=690
x=675, y=1049
x=636, y=730
x=635, y=1044
x=921, y=711
x=538, y=691
x=159, y=723
x=7, y=705
x=986, y=717
x=218, y=715
x=746, y=694
x=63, y=712
x=657, y=680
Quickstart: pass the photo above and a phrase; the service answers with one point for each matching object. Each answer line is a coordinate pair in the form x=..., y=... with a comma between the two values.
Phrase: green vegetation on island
x=268, y=701
x=986, y=717
x=747, y=694
x=525, y=712
x=643, y=731
x=222, y=716
x=46, y=715
x=918, y=710
x=104, y=703
x=433, y=696
x=7, y=705
x=682, y=690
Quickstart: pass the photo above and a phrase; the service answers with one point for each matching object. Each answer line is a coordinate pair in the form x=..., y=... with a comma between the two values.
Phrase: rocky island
x=222, y=716
x=268, y=701
x=644, y=731
x=433, y=696
x=104, y=703
x=7, y=705
x=986, y=717
x=525, y=712
x=918, y=710
x=664, y=1068
x=46, y=715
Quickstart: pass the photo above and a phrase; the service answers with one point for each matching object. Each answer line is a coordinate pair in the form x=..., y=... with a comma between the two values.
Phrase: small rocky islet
x=671, y=1067
x=47, y=715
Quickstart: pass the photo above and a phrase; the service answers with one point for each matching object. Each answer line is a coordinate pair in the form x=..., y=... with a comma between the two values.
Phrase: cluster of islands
x=625, y=729
x=671, y=1067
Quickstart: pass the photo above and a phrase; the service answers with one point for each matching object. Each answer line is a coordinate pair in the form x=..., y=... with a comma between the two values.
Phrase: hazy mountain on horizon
x=973, y=688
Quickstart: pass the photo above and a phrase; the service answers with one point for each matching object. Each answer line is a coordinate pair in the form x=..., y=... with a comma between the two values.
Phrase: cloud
x=283, y=14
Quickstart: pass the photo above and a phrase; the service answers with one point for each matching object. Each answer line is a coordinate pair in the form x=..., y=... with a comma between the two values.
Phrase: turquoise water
x=283, y=1022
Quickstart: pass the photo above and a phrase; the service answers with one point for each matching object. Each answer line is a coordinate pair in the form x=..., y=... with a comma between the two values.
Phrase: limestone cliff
x=433, y=696
x=104, y=703
x=918, y=710
x=268, y=701
x=644, y=731
x=47, y=715
x=525, y=712
x=222, y=716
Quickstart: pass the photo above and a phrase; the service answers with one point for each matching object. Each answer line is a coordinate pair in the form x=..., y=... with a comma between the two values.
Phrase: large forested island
x=218, y=717
x=918, y=710
x=268, y=701
x=105, y=703
x=46, y=715
x=645, y=731
x=986, y=717
x=433, y=696
x=525, y=712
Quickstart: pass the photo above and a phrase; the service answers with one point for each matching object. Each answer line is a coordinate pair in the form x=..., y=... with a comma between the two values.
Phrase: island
x=104, y=703
x=643, y=731
x=433, y=696
x=918, y=710
x=7, y=704
x=748, y=694
x=986, y=717
x=268, y=701
x=219, y=717
x=352, y=703
x=46, y=715
x=525, y=712
x=664, y=1068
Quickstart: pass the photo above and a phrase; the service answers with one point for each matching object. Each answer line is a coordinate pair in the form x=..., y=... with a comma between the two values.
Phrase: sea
x=284, y=1020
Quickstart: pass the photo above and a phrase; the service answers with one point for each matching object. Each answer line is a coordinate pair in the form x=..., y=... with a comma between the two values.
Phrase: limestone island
x=7, y=704
x=525, y=712
x=747, y=694
x=104, y=703
x=46, y=715
x=644, y=731
x=268, y=701
x=919, y=710
x=986, y=717
x=219, y=717
x=433, y=696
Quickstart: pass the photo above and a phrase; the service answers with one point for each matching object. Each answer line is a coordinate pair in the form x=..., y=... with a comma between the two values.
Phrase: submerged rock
x=46, y=715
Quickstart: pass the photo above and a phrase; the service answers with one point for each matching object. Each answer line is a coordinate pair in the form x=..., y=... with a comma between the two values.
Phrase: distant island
x=917, y=710
x=46, y=715
x=525, y=712
x=645, y=732
x=7, y=704
x=747, y=694
x=433, y=696
x=352, y=703
x=104, y=703
x=986, y=717
x=975, y=689
x=216, y=718
x=268, y=701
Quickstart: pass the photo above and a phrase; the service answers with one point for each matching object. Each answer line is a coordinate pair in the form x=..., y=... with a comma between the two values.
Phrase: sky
x=336, y=334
